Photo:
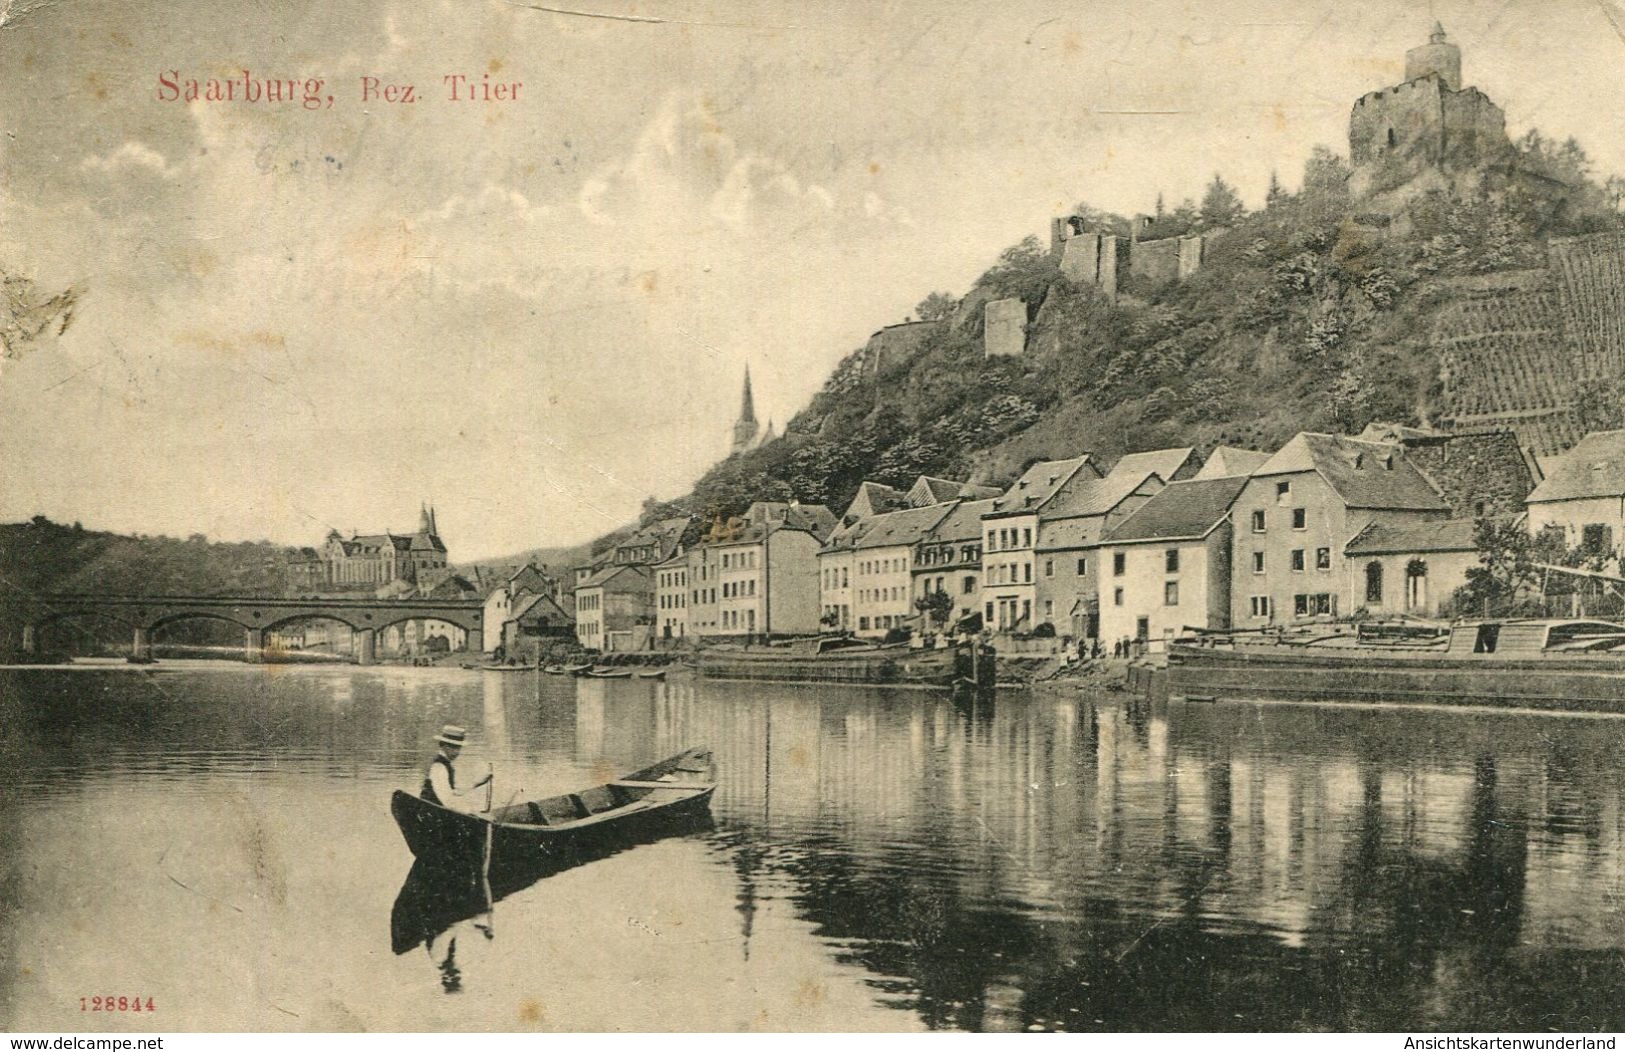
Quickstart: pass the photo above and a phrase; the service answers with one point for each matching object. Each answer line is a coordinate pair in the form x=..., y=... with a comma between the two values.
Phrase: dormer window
x=1022, y=484
x=1388, y=462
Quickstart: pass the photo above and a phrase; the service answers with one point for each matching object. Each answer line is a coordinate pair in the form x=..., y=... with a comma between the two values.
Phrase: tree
x=1221, y=205
x=936, y=606
x=1325, y=175
x=936, y=306
x=1274, y=195
x=1506, y=564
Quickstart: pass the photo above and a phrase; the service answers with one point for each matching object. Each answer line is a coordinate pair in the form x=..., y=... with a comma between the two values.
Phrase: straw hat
x=451, y=734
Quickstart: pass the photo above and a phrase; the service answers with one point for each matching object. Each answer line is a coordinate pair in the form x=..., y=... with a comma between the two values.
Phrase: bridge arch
x=170, y=617
x=65, y=631
x=312, y=615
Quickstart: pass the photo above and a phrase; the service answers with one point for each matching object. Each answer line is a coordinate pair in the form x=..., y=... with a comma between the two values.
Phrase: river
x=216, y=840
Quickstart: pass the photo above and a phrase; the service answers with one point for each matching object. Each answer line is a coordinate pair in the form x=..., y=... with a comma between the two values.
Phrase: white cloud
x=131, y=154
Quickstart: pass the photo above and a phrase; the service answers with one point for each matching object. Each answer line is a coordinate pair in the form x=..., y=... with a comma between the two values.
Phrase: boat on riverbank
x=815, y=661
x=1571, y=665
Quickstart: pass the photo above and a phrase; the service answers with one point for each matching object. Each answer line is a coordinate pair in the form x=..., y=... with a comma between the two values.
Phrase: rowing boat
x=652, y=673
x=560, y=826
x=610, y=672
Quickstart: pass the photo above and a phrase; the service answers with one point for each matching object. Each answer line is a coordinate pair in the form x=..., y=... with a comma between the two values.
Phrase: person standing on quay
x=440, y=780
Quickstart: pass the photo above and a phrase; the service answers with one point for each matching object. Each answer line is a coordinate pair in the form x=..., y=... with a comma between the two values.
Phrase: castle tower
x=1425, y=133
x=1437, y=56
x=746, y=427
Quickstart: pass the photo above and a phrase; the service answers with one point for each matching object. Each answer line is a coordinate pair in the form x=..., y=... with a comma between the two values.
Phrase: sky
x=537, y=312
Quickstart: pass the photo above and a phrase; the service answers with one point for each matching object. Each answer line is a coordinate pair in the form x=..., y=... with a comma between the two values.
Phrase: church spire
x=747, y=404
x=745, y=428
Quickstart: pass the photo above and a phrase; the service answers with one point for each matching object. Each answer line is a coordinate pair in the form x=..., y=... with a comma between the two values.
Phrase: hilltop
x=1311, y=313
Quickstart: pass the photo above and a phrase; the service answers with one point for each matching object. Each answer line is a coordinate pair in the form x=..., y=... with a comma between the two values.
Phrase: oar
x=485, y=865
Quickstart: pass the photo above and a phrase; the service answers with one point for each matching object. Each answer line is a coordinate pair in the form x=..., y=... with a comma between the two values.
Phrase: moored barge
x=1544, y=664
x=970, y=664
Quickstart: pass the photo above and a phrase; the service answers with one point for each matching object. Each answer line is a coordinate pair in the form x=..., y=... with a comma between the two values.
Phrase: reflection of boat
x=652, y=673
x=558, y=825
x=608, y=672
x=577, y=670
x=555, y=670
x=820, y=661
x=439, y=893
x=1547, y=664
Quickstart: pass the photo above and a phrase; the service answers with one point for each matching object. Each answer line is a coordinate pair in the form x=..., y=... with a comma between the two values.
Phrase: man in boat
x=440, y=780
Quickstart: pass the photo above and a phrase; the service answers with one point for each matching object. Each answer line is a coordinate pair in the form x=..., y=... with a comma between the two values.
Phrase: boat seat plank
x=685, y=786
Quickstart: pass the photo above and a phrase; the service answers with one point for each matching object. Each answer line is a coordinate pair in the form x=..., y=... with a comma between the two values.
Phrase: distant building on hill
x=373, y=561
x=1427, y=132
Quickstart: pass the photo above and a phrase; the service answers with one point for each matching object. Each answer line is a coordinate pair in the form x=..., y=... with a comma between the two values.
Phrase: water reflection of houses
x=1057, y=831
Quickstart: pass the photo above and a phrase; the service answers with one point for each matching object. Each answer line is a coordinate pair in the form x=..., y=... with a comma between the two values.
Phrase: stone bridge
x=257, y=615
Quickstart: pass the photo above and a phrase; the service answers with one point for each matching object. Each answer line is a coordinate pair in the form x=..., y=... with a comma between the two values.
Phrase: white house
x=1166, y=567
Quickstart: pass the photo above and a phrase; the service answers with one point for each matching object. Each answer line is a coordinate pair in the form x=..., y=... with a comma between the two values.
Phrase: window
x=863, y=624
x=1258, y=562
x=1142, y=628
x=1311, y=605
x=1083, y=567
x=1049, y=609
x=1283, y=492
x=1323, y=558
x=1170, y=594
x=969, y=585
x=1597, y=538
x=1300, y=519
x=989, y=618
x=1117, y=597
x=1259, y=606
x=1027, y=573
x=1049, y=567
x=1258, y=521
x=1027, y=538
x=1170, y=560
x=1119, y=563
x=1297, y=560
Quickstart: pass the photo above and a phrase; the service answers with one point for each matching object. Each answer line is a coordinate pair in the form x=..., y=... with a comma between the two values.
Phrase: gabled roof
x=963, y=524
x=537, y=607
x=429, y=542
x=1096, y=497
x=377, y=542
x=1165, y=463
x=1037, y=485
x=1064, y=534
x=814, y=518
x=1593, y=468
x=605, y=574
x=928, y=490
x=1225, y=461
x=1380, y=538
x=904, y=527
x=1185, y=510
x=873, y=498
x=1372, y=475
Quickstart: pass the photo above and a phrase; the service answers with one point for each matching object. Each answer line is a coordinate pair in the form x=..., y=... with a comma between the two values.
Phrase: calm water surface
x=219, y=840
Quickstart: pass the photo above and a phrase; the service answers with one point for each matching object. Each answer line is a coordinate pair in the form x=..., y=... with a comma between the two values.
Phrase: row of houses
x=1164, y=540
